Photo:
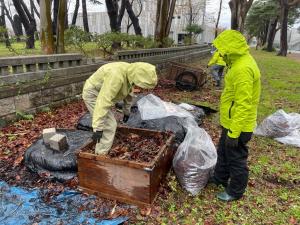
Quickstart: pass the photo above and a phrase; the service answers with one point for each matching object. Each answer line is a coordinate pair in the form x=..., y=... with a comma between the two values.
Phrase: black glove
x=125, y=118
x=97, y=136
x=231, y=142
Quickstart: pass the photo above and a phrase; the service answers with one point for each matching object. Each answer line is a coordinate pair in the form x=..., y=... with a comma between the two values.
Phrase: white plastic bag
x=196, y=156
x=284, y=127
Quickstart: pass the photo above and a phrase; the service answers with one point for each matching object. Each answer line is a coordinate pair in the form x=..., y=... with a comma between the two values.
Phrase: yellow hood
x=142, y=75
x=231, y=44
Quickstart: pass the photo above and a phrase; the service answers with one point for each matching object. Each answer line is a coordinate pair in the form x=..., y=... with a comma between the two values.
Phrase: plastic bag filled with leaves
x=284, y=127
x=196, y=156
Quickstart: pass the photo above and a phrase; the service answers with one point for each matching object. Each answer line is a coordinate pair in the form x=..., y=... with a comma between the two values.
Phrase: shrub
x=77, y=38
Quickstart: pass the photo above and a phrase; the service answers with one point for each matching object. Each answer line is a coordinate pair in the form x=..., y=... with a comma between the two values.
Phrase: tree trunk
x=239, y=10
x=271, y=34
x=75, y=14
x=284, y=12
x=66, y=17
x=115, y=17
x=29, y=15
x=190, y=19
x=27, y=22
x=61, y=16
x=34, y=9
x=3, y=24
x=85, y=17
x=18, y=27
x=11, y=20
x=46, y=33
x=234, y=14
x=55, y=12
x=218, y=19
x=112, y=10
x=134, y=19
x=164, y=13
x=265, y=33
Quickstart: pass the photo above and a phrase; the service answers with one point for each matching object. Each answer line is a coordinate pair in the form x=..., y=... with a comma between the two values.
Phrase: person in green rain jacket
x=238, y=113
x=217, y=65
x=111, y=83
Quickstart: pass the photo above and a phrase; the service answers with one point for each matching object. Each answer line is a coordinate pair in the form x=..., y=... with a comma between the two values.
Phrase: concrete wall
x=29, y=91
x=28, y=84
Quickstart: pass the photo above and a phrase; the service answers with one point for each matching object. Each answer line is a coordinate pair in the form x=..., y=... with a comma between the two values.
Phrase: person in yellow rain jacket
x=217, y=65
x=111, y=83
x=238, y=113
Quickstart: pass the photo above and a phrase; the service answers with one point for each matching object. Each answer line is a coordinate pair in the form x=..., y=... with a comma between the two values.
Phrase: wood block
x=48, y=133
x=58, y=142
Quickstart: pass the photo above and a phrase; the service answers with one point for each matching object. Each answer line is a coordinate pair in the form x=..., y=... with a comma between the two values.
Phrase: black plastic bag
x=60, y=165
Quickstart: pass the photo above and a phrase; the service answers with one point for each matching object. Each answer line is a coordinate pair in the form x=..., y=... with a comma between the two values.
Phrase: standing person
x=111, y=83
x=238, y=113
x=217, y=65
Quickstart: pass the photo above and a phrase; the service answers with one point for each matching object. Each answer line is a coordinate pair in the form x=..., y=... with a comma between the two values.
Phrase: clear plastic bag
x=284, y=127
x=196, y=156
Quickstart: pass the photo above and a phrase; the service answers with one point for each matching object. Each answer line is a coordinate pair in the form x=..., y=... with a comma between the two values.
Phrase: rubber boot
x=223, y=196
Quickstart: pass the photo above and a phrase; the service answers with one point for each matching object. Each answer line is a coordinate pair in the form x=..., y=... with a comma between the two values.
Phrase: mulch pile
x=134, y=147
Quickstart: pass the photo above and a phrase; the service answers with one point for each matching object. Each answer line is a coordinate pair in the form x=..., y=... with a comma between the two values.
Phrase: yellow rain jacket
x=216, y=59
x=240, y=98
x=114, y=82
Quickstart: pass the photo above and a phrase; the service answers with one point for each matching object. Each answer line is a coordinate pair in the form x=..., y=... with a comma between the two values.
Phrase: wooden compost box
x=123, y=180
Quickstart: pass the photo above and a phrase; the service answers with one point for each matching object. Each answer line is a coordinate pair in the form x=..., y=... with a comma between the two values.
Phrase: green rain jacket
x=240, y=98
x=114, y=81
x=216, y=59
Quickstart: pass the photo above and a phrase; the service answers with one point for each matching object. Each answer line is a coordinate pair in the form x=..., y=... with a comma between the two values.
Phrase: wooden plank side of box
x=161, y=169
x=114, y=181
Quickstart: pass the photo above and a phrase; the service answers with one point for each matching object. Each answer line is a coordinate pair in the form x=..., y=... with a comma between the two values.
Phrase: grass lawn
x=19, y=49
x=273, y=193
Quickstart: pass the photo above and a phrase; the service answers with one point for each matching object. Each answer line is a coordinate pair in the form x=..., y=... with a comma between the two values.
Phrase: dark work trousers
x=231, y=170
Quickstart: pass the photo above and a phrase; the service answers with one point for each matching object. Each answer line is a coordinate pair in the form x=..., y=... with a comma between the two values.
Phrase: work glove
x=97, y=135
x=231, y=142
x=125, y=118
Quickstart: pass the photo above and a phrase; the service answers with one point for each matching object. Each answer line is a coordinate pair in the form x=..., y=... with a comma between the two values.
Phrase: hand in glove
x=231, y=142
x=97, y=135
x=125, y=118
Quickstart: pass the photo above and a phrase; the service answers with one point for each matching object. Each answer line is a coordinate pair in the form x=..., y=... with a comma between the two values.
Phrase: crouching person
x=111, y=83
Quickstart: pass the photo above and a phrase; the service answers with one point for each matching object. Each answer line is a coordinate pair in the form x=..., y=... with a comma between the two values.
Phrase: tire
x=186, y=81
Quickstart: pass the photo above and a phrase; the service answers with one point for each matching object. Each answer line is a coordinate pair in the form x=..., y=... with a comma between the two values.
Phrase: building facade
x=185, y=11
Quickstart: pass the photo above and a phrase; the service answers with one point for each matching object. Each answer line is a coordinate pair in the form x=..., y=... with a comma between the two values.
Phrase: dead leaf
x=18, y=160
x=146, y=211
x=293, y=220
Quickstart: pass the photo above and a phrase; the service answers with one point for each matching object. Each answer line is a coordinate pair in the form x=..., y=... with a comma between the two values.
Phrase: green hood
x=231, y=44
x=142, y=75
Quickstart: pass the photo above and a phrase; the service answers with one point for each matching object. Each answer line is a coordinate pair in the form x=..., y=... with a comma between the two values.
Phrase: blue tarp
x=21, y=206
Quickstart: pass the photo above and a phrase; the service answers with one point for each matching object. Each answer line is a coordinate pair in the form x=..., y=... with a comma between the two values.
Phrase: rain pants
x=240, y=98
x=111, y=83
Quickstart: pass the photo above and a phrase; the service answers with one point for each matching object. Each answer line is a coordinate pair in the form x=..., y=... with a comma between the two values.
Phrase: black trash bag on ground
x=62, y=166
x=85, y=122
x=171, y=123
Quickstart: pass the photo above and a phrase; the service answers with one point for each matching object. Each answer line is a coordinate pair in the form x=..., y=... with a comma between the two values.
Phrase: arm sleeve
x=109, y=90
x=213, y=59
x=242, y=103
x=127, y=104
